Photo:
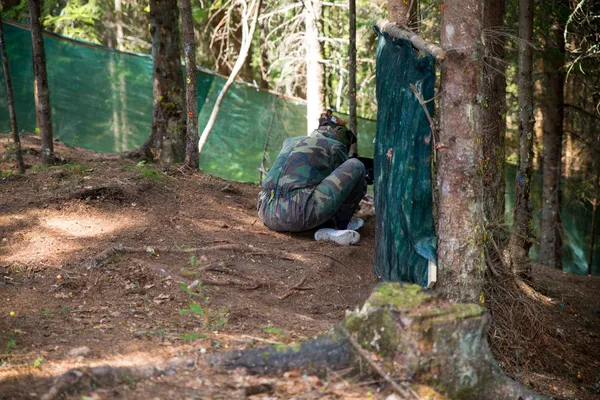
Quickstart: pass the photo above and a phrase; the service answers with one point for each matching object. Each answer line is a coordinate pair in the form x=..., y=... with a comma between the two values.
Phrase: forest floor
x=63, y=307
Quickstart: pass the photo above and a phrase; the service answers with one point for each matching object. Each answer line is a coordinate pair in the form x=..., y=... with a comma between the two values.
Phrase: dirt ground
x=251, y=286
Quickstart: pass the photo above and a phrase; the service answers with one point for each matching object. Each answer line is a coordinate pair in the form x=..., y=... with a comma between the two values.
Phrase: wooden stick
x=436, y=141
x=332, y=257
x=403, y=391
x=394, y=31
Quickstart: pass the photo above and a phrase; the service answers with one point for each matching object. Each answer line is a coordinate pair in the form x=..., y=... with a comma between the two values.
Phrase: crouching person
x=313, y=184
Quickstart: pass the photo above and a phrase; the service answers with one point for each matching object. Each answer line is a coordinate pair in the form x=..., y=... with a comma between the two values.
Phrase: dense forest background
x=566, y=41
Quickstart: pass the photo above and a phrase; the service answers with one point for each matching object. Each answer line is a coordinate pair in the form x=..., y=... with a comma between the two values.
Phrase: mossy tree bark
x=11, y=103
x=459, y=167
x=520, y=238
x=41, y=78
x=418, y=338
x=191, y=87
x=166, y=143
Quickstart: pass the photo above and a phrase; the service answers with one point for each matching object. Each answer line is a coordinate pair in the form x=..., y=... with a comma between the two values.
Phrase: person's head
x=346, y=136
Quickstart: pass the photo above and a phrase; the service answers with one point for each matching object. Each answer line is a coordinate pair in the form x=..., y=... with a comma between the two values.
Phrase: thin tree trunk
x=550, y=237
x=11, y=103
x=191, y=87
x=167, y=139
x=352, y=72
x=248, y=34
x=460, y=228
x=519, y=242
x=122, y=83
x=263, y=59
x=492, y=115
x=314, y=69
x=116, y=124
x=41, y=77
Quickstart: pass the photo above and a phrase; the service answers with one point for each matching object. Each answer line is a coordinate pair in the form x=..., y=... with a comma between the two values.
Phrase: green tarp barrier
x=405, y=233
x=101, y=99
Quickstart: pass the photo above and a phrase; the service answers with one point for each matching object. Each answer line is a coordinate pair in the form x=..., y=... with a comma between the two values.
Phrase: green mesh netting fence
x=405, y=233
x=101, y=99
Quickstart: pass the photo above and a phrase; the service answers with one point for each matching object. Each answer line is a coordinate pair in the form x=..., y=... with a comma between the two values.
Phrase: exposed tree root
x=297, y=287
x=104, y=375
x=105, y=256
x=519, y=334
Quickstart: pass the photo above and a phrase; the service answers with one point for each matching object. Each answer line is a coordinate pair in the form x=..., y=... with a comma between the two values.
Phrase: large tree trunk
x=167, y=139
x=41, y=78
x=492, y=115
x=417, y=339
x=191, y=88
x=550, y=233
x=11, y=103
x=520, y=238
x=460, y=227
x=314, y=68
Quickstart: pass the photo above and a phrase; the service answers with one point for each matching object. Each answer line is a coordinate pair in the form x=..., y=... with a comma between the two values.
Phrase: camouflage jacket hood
x=305, y=161
x=339, y=133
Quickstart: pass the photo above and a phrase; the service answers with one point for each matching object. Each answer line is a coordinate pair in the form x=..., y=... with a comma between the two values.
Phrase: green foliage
x=271, y=330
x=37, y=363
x=148, y=171
x=45, y=314
x=195, y=309
x=192, y=336
x=78, y=20
x=11, y=342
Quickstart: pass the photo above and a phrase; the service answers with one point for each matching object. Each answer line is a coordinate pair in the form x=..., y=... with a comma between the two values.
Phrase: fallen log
x=413, y=334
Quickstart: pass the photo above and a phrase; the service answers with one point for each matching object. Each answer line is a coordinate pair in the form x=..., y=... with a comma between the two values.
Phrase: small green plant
x=37, y=363
x=192, y=336
x=129, y=380
x=75, y=140
x=271, y=330
x=195, y=309
x=148, y=171
x=11, y=343
x=194, y=261
x=45, y=314
x=64, y=309
x=212, y=320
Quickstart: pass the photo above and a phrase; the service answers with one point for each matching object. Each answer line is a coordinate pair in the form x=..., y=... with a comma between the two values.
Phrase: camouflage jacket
x=305, y=161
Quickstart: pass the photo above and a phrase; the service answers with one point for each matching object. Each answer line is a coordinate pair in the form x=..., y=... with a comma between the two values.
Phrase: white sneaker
x=355, y=224
x=344, y=237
